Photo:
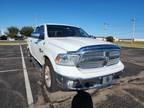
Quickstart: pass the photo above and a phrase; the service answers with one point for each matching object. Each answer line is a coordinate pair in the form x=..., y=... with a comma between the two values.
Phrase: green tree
x=26, y=31
x=12, y=32
x=110, y=39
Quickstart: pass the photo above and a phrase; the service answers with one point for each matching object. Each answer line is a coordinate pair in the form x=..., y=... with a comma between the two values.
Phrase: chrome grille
x=97, y=58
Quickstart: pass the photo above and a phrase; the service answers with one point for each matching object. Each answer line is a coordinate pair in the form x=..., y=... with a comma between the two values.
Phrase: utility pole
x=133, y=28
x=105, y=29
x=36, y=20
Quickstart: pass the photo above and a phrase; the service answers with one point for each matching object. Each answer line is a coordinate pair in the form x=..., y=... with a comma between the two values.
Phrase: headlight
x=67, y=59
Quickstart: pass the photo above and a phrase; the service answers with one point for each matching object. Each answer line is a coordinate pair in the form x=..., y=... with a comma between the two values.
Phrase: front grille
x=98, y=58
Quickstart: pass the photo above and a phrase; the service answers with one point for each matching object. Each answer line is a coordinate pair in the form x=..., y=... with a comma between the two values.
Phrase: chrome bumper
x=66, y=83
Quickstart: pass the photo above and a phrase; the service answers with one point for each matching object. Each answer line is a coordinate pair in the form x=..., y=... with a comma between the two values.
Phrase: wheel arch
x=51, y=60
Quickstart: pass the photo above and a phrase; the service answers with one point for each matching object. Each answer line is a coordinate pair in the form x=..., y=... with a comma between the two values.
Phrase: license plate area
x=107, y=79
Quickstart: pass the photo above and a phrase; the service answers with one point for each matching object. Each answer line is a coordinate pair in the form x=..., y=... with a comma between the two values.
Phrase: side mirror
x=38, y=35
x=35, y=35
x=41, y=36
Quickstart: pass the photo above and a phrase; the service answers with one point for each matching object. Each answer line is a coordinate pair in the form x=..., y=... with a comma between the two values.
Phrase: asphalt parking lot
x=128, y=93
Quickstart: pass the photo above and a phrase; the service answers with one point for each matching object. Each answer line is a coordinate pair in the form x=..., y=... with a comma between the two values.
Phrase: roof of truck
x=61, y=24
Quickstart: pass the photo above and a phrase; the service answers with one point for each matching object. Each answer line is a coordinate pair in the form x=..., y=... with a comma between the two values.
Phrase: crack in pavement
x=136, y=99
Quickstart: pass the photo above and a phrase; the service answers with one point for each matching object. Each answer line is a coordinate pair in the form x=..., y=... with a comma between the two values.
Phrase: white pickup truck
x=72, y=60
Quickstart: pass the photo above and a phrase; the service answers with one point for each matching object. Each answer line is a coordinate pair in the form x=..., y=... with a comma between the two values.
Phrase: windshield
x=65, y=31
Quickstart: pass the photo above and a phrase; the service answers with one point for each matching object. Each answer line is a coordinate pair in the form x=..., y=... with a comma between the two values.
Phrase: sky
x=91, y=15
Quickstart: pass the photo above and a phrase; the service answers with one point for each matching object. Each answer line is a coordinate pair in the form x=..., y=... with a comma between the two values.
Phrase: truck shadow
x=82, y=100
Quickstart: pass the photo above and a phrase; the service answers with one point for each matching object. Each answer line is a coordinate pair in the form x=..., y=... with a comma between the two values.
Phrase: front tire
x=49, y=76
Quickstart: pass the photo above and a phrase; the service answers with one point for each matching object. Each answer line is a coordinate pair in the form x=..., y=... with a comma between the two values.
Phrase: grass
x=11, y=42
x=138, y=44
x=121, y=43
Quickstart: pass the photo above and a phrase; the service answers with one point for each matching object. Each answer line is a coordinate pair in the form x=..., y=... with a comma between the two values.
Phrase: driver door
x=38, y=44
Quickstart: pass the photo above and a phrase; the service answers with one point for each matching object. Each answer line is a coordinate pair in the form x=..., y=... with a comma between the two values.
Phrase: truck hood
x=75, y=43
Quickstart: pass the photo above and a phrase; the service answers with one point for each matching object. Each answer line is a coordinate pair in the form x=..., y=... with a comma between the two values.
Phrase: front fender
x=51, y=52
x=51, y=58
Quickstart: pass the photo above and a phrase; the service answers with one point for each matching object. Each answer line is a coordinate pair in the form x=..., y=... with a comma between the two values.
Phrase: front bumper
x=66, y=83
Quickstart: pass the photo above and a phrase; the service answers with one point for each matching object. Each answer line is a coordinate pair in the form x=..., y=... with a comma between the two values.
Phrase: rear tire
x=48, y=76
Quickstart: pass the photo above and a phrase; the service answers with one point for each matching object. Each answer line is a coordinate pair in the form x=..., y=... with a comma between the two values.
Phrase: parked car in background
x=3, y=37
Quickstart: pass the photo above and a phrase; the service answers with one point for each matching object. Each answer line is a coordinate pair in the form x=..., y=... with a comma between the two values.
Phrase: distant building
x=129, y=39
x=116, y=39
x=125, y=40
x=139, y=39
x=101, y=38
x=10, y=39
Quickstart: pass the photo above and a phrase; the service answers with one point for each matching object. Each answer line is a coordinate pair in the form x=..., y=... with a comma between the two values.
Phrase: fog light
x=70, y=83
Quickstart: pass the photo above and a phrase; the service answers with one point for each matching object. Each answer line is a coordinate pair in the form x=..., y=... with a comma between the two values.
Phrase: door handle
x=40, y=50
x=36, y=42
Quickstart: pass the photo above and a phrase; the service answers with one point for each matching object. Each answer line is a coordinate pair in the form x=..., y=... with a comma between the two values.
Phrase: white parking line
x=11, y=58
x=13, y=70
x=27, y=83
